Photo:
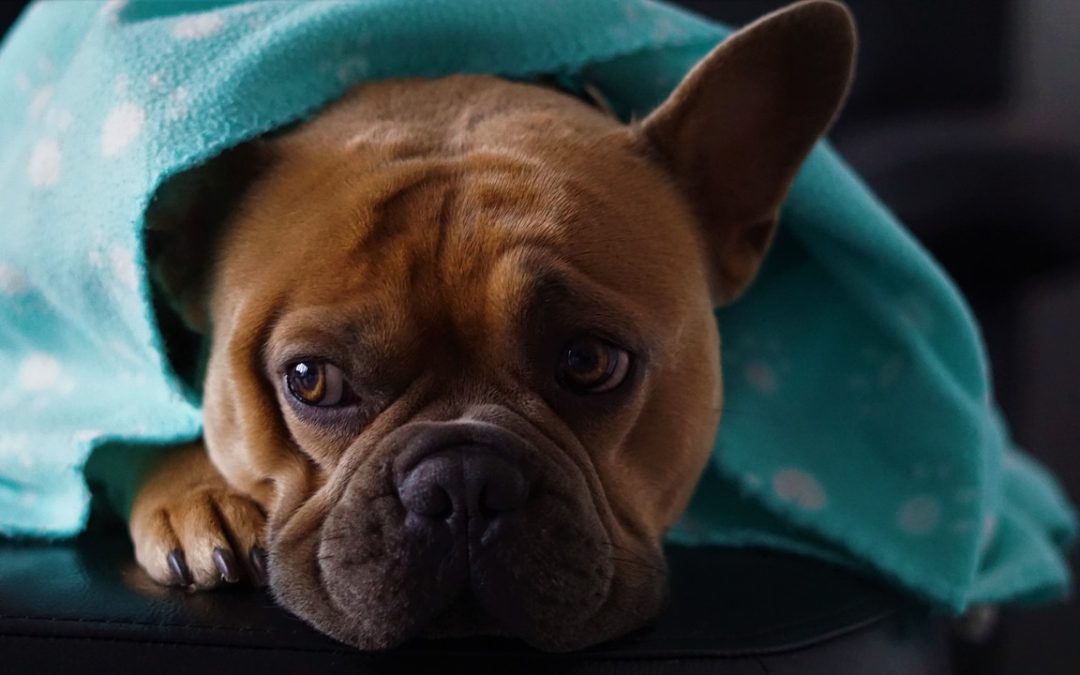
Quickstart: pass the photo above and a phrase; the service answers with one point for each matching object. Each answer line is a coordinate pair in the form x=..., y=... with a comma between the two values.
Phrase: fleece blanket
x=861, y=424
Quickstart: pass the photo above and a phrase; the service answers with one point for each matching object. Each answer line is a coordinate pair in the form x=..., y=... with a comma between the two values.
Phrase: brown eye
x=316, y=383
x=591, y=365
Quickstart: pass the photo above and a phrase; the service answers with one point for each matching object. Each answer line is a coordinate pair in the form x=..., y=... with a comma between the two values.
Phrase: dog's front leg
x=191, y=529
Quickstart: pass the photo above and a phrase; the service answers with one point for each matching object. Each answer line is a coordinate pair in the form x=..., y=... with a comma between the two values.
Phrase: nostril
x=424, y=493
x=434, y=503
x=502, y=490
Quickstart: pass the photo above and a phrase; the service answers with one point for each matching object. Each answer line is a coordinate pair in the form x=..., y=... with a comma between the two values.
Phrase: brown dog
x=464, y=370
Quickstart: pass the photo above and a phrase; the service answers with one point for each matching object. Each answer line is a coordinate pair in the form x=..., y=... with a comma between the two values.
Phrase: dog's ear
x=736, y=130
x=185, y=218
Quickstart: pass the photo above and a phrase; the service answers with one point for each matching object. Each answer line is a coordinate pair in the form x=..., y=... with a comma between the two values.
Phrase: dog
x=464, y=371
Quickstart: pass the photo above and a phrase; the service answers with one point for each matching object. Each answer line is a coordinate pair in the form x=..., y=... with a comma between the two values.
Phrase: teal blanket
x=861, y=425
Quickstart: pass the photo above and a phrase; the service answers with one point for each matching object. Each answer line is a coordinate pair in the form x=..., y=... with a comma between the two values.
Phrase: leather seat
x=84, y=606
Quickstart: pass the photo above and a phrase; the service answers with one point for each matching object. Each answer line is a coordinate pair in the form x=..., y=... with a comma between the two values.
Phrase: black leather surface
x=84, y=606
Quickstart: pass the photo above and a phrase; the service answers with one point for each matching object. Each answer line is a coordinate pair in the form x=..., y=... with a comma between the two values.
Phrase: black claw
x=179, y=568
x=226, y=564
x=258, y=566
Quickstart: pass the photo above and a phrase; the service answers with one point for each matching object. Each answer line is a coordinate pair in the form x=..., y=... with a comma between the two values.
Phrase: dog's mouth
x=456, y=539
x=531, y=575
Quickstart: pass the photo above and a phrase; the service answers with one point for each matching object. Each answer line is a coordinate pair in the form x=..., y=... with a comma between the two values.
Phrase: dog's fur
x=440, y=241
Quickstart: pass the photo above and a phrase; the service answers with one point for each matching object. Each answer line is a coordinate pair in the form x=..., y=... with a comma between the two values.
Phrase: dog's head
x=463, y=345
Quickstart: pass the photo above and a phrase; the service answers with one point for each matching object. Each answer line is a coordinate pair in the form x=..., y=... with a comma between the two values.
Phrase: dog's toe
x=202, y=540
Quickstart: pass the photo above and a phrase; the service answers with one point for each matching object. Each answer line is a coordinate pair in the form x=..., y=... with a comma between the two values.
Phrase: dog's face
x=463, y=348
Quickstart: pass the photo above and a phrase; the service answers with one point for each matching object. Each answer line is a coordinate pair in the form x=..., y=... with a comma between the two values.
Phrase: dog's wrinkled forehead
x=447, y=257
x=471, y=229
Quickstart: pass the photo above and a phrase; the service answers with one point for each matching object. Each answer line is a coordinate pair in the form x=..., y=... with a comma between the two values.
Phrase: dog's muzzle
x=463, y=527
x=462, y=502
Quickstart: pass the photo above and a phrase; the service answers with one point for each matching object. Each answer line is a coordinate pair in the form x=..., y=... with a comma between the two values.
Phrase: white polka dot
x=663, y=28
x=125, y=352
x=752, y=479
x=121, y=127
x=86, y=435
x=198, y=26
x=22, y=82
x=352, y=69
x=112, y=7
x=41, y=100
x=45, y=162
x=120, y=85
x=919, y=515
x=12, y=281
x=799, y=488
x=16, y=446
x=989, y=528
x=177, y=105
x=965, y=495
x=915, y=313
x=39, y=371
x=889, y=373
x=122, y=261
x=760, y=376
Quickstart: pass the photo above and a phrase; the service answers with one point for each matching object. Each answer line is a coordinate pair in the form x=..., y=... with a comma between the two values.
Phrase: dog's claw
x=179, y=568
x=226, y=564
x=258, y=566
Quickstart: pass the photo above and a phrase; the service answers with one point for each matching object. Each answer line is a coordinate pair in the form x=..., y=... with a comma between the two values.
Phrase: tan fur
x=407, y=232
x=186, y=505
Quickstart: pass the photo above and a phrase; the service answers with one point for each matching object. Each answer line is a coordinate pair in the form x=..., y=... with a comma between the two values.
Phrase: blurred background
x=965, y=119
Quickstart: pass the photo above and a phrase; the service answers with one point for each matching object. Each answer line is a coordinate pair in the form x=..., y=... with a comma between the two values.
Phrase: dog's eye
x=317, y=383
x=591, y=365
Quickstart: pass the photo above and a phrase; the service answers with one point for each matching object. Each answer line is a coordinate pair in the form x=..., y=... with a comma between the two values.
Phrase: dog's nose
x=470, y=481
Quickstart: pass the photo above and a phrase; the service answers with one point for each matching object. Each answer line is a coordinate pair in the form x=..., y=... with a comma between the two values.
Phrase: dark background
x=965, y=119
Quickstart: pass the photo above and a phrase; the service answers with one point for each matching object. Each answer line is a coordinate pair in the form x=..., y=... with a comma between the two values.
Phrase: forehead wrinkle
x=479, y=188
x=331, y=328
x=510, y=284
x=387, y=209
x=527, y=276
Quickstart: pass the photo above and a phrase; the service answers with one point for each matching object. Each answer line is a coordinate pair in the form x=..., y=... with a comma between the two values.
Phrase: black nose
x=464, y=481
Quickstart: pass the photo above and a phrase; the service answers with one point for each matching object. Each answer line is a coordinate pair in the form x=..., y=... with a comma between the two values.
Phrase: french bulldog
x=464, y=370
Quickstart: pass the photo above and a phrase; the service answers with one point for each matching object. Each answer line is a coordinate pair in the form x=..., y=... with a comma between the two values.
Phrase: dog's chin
x=623, y=609
x=621, y=613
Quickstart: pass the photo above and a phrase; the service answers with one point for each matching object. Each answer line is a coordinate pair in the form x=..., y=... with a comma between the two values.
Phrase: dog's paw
x=201, y=539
